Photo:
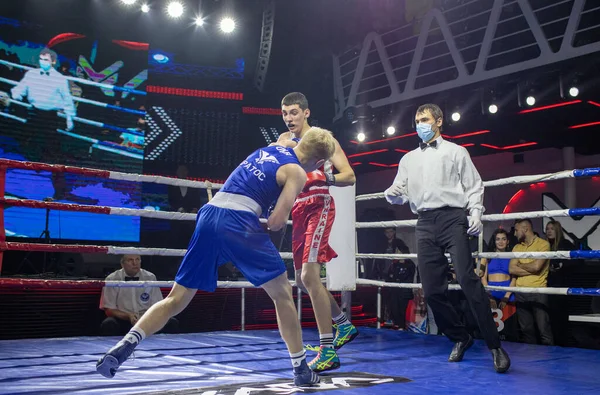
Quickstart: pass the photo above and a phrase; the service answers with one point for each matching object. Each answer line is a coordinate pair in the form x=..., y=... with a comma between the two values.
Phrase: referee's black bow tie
x=44, y=72
x=127, y=278
x=425, y=145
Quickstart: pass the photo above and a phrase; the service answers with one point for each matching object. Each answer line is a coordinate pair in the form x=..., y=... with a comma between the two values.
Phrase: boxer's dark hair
x=295, y=98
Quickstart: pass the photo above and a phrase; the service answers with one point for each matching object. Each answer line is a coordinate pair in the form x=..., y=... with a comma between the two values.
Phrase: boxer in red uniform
x=312, y=216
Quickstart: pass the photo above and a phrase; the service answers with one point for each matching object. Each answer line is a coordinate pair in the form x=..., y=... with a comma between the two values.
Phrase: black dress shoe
x=501, y=360
x=458, y=352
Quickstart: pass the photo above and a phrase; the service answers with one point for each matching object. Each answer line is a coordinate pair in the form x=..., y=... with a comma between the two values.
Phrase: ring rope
x=20, y=103
x=78, y=99
x=118, y=250
x=113, y=175
x=573, y=212
x=173, y=215
x=78, y=284
x=109, y=106
x=111, y=250
x=587, y=172
x=456, y=287
x=575, y=254
x=75, y=79
x=106, y=146
x=103, y=125
x=14, y=117
x=37, y=283
x=6, y=80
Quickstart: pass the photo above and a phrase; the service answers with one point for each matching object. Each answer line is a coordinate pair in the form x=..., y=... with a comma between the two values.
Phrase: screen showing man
x=70, y=99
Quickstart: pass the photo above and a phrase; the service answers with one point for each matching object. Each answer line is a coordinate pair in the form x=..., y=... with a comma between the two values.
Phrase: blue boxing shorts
x=225, y=235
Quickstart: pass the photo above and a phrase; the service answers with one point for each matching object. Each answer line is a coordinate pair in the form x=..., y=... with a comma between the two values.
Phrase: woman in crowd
x=559, y=277
x=496, y=270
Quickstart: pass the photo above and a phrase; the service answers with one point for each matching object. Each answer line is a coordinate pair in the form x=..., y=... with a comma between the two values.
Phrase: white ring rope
x=115, y=175
x=70, y=78
x=488, y=218
x=487, y=255
x=360, y=281
x=177, y=216
x=116, y=250
x=501, y=181
x=456, y=287
x=169, y=284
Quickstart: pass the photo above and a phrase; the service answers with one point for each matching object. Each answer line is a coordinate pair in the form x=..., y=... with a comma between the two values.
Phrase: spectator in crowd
x=556, y=237
x=496, y=270
x=390, y=244
x=558, y=276
x=399, y=271
x=124, y=306
x=532, y=309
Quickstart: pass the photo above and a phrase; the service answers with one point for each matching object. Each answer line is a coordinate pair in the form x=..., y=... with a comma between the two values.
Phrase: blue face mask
x=45, y=65
x=425, y=132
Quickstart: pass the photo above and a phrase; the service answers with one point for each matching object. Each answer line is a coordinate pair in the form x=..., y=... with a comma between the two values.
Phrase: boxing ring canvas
x=257, y=362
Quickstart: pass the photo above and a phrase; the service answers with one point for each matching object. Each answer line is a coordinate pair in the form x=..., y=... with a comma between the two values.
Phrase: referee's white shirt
x=436, y=177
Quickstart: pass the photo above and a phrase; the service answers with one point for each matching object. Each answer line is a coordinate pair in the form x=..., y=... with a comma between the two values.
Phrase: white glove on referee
x=475, y=225
x=396, y=190
x=396, y=194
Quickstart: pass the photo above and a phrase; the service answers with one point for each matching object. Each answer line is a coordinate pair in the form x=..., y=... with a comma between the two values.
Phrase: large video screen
x=68, y=98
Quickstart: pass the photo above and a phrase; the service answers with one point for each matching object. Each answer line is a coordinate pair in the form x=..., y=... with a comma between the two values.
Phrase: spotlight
x=145, y=8
x=456, y=116
x=574, y=92
x=391, y=130
x=128, y=2
x=160, y=58
x=175, y=9
x=199, y=21
x=227, y=25
x=530, y=100
x=493, y=108
x=361, y=137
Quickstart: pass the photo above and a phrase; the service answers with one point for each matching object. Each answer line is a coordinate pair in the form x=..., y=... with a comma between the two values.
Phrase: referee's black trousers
x=445, y=230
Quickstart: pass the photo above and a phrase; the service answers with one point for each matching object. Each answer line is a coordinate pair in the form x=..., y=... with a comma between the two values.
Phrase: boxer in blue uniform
x=228, y=230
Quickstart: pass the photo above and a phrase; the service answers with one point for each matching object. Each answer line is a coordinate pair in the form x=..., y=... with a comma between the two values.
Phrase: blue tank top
x=498, y=266
x=255, y=177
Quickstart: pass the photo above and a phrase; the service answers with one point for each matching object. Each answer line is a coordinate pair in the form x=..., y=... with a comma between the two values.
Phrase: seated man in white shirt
x=125, y=306
x=441, y=183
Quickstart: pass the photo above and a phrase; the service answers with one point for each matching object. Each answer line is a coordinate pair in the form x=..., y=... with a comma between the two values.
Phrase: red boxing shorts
x=312, y=219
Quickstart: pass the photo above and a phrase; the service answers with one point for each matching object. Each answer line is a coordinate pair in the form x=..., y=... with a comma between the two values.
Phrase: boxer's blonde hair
x=318, y=143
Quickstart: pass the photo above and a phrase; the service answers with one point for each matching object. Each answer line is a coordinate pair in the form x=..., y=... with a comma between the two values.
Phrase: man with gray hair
x=124, y=306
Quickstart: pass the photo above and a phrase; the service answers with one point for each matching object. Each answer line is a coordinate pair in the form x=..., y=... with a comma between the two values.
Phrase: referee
x=440, y=182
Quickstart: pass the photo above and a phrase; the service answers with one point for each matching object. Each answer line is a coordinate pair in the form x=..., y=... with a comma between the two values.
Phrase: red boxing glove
x=315, y=176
